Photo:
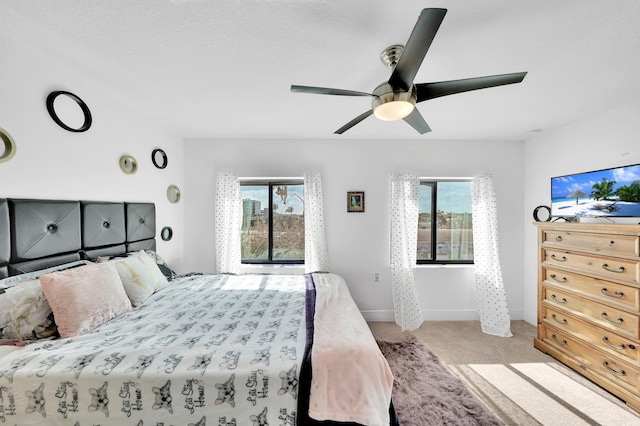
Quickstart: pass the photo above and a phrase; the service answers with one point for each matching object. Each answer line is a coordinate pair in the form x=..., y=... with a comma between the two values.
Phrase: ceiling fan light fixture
x=390, y=105
x=394, y=110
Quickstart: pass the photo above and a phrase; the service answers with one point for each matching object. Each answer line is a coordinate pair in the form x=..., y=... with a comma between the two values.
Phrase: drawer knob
x=562, y=342
x=561, y=321
x=619, y=347
x=618, y=321
x=615, y=294
x=560, y=280
x=559, y=259
x=557, y=299
x=606, y=267
x=611, y=370
x=559, y=238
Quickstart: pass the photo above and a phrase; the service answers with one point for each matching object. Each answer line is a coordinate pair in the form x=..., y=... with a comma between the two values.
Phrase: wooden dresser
x=589, y=302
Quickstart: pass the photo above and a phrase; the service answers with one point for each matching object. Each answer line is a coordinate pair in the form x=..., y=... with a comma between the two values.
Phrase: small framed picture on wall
x=355, y=202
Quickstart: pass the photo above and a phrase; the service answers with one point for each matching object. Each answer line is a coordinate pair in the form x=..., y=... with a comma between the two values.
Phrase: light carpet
x=543, y=394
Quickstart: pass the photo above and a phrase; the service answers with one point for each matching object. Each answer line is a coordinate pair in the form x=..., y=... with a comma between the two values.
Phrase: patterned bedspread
x=209, y=349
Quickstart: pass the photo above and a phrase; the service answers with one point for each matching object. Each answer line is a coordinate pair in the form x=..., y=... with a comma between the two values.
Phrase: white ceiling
x=223, y=69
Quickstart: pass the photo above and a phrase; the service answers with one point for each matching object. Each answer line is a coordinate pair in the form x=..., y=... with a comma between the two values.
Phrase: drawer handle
x=611, y=370
x=619, y=347
x=617, y=294
x=561, y=321
x=559, y=238
x=563, y=300
x=561, y=259
x=560, y=280
x=562, y=342
x=618, y=321
x=620, y=270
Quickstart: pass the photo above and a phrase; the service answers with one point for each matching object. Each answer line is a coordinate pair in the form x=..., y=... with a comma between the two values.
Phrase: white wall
x=605, y=140
x=358, y=243
x=52, y=163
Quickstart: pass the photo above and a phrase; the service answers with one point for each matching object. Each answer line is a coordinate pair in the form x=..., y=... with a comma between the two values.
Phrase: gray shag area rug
x=426, y=393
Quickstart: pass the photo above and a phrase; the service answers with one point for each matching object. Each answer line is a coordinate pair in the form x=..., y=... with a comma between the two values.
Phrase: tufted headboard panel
x=36, y=234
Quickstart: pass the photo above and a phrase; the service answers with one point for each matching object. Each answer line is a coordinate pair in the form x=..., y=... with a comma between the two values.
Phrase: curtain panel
x=316, y=258
x=492, y=299
x=404, y=210
x=228, y=222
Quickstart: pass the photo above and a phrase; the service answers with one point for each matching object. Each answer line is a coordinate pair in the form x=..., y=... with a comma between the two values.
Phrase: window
x=449, y=237
x=272, y=221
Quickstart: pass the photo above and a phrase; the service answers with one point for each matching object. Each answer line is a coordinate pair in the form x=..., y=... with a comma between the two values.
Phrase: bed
x=115, y=337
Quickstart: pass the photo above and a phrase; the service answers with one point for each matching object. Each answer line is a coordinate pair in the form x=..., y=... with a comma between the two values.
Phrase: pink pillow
x=84, y=298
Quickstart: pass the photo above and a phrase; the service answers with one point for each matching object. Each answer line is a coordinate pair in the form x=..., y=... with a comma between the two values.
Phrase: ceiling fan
x=396, y=98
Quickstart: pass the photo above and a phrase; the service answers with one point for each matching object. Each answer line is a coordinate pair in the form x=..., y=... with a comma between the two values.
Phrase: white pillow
x=140, y=276
x=25, y=313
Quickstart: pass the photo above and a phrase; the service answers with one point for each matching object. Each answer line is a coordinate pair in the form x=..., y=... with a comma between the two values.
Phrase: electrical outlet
x=376, y=276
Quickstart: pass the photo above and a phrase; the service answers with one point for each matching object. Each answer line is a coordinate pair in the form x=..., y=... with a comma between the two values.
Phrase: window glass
x=255, y=223
x=272, y=222
x=288, y=222
x=445, y=232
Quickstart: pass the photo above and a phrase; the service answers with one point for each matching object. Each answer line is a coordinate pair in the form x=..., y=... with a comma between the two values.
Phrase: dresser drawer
x=609, y=318
x=606, y=366
x=613, y=294
x=624, y=245
x=617, y=346
x=606, y=267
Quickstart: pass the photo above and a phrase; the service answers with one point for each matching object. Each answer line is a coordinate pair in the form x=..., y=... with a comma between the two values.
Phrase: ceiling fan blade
x=416, y=48
x=327, y=91
x=353, y=122
x=426, y=91
x=416, y=121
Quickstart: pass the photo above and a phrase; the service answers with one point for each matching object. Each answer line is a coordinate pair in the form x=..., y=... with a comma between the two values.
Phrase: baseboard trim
x=387, y=315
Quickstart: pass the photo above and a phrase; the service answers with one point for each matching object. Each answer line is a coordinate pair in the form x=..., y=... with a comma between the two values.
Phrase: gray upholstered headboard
x=36, y=234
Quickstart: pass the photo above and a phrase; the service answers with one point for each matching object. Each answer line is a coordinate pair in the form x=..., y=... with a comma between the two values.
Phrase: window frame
x=433, y=182
x=270, y=183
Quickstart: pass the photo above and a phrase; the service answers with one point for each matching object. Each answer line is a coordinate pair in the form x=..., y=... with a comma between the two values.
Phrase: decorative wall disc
x=166, y=234
x=7, y=147
x=159, y=158
x=173, y=194
x=128, y=164
x=55, y=112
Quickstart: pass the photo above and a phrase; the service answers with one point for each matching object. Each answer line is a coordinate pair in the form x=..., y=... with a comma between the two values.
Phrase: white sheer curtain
x=228, y=222
x=316, y=258
x=404, y=209
x=492, y=299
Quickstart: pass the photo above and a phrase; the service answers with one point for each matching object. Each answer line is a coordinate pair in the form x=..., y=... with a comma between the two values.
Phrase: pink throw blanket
x=351, y=381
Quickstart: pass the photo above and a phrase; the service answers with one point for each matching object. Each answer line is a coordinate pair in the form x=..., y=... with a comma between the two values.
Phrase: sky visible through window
x=261, y=193
x=453, y=197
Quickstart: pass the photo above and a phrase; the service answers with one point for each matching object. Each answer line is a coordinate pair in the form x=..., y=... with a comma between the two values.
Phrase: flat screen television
x=613, y=192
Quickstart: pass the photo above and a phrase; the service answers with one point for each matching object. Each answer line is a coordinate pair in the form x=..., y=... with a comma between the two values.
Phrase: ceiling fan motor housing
x=385, y=93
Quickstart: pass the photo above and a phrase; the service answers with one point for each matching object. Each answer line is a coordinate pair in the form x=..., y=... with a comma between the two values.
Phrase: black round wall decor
x=54, y=115
x=159, y=158
x=166, y=234
x=545, y=216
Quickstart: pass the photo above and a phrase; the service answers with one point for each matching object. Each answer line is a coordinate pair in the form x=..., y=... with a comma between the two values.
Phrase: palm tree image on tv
x=630, y=192
x=603, y=190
